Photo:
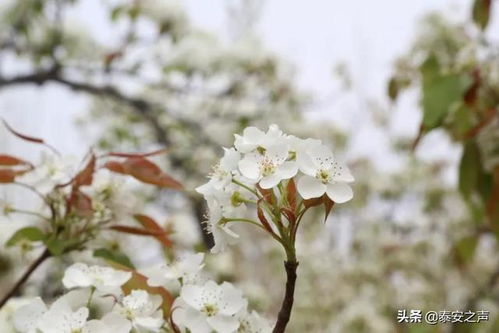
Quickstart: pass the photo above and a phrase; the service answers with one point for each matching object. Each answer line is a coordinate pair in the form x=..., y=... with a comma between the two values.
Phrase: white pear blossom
x=324, y=175
x=210, y=307
x=104, y=279
x=142, y=309
x=222, y=234
x=252, y=322
x=184, y=270
x=222, y=172
x=52, y=171
x=254, y=138
x=61, y=318
x=27, y=317
x=269, y=166
x=111, y=322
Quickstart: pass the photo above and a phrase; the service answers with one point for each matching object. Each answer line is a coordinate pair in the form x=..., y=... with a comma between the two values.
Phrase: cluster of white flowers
x=96, y=303
x=263, y=160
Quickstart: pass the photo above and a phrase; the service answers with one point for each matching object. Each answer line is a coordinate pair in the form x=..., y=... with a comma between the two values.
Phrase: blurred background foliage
x=409, y=240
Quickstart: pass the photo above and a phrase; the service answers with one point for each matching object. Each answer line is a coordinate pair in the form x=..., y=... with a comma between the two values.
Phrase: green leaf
x=470, y=169
x=465, y=248
x=481, y=13
x=116, y=12
x=393, y=89
x=56, y=246
x=440, y=92
x=114, y=256
x=32, y=234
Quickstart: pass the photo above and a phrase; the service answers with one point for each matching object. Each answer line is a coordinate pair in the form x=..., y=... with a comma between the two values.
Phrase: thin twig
x=45, y=255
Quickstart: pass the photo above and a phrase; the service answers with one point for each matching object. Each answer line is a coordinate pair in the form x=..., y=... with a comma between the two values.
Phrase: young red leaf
x=153, y=153
x=328, y=205
x=27, y=137
x=312, y=202
x=22, y=136
x=8, y=160
x=291, y=194
x=268, y=194
x=115, y=167
x=148, y=172
x=85, y=177
x=149, y=224
x=262, y=218
x=9, y=175
x=134, y=231
x=139, y=281
x=80, y=203
x=290, y=215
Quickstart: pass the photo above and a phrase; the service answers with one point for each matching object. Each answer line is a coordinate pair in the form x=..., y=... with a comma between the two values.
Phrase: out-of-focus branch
x=141, y=106
x=483, y=291
x=147, y=110
x=44, y=256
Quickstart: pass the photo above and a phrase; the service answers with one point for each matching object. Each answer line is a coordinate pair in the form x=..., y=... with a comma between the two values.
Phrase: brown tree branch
x=15, y=289
x=287, y=303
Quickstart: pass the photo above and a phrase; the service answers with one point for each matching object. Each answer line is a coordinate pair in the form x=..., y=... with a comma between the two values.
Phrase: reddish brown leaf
x=312, y=202
x=149, y=224
x=470, y=96
x=153, y=153
x=148, y=172
x=291, y=194
x=9, y=160
x=144, y=170
x=85, y=177
x=262, y=218
x=27, y=137
x=134, y=231
x=328, y=205
x=7, y=176
x=487, y=118
x=418, y=138
x=139, y=281
x=22, y=136
x=80, y=203
x=115, y=167
x=268, y=194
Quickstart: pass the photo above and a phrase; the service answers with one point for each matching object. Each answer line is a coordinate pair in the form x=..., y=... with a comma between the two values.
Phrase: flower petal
x=26, y=317
x=270, y=181
x=191, y=294
x=223, y=324
x=249, y=166
x=343, y=174
x=230, y=159
x=306, y=164
x=310, y=187
x=322, y=157
x=233, y=299
x=339, y=192
x=288, y=170
x=195, y=321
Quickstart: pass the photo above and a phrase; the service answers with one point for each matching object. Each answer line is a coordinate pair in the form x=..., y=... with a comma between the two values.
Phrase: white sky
x=313, y=35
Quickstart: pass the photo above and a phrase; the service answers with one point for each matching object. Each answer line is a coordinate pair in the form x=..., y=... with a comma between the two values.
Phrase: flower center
x=218, y=173
x=244, y=326
x=323, y=175
x=267, y=166
x=128, y=314
x=210, y=310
